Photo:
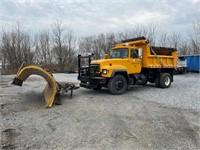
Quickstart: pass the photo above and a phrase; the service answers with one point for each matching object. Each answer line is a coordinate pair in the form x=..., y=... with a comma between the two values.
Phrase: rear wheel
x=165, y=80
x=117, y=85
x=157, y=81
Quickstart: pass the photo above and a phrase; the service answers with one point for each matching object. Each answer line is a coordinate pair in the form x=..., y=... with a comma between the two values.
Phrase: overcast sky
x=88, y=17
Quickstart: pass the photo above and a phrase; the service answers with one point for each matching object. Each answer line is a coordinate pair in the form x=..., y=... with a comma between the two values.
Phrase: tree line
x=57, y=48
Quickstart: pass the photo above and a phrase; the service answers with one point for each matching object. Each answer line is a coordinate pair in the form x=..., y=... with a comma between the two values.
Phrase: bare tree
x=5, y=44
x=98, y=45
x=148, y=31
x=163, y=40
x=139, y=30
x=16, y=47
x=9, y=49
x=71, y=49
x=59, y=48
x=2, y=60
x=91, y=44
x=110, y=42
x=151, y=33
x=43, y=48
x=103, y=43
x=184, y=48
x=123, y=35
x=64, y=45
x=194, y=35
x=196, y=26
x=175, y=40
x=27, y=50
x=85, y=45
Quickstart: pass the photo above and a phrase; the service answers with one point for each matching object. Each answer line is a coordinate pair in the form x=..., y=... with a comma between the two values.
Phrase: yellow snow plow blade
x=51, y=87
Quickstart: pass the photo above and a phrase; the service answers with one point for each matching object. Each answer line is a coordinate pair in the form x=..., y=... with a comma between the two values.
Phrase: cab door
x=135, y=63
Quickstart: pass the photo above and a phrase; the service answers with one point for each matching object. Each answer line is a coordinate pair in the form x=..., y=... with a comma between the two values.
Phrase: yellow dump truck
x=131, y=62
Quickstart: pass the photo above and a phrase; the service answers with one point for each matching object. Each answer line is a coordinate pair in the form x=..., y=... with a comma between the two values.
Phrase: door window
x=134, y=53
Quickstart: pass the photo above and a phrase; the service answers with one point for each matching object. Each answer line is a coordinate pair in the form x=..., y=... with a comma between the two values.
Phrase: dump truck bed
x=154, y=56
x=159, y=57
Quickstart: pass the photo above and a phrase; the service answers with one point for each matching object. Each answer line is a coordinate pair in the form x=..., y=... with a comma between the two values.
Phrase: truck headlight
x=104, y=71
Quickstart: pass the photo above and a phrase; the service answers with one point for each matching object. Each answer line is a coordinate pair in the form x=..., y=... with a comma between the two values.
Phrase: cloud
x=89, y=17
x=147, y=17
x=195, y=1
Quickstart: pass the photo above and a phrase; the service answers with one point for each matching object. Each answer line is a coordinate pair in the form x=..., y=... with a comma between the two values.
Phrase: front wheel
x=165, y=80
x=117, y=85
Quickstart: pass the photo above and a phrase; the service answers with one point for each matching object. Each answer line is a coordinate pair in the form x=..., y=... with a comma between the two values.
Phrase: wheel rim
x=167, y=80
x=119, y=84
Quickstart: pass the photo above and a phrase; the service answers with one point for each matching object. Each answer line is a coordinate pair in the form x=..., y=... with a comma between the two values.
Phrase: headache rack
x=89, y=70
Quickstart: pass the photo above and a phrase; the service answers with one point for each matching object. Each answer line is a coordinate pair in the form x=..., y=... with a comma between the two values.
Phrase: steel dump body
x=164, y=58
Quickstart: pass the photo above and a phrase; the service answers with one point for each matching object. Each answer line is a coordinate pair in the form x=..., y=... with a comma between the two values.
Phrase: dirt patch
x=11, y=109
x=8, y=139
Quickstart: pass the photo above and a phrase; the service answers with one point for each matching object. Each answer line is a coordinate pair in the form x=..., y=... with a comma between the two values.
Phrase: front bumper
x=92, y=82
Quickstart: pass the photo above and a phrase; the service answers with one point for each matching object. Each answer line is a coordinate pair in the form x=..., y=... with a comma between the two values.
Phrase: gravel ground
x=145, y=117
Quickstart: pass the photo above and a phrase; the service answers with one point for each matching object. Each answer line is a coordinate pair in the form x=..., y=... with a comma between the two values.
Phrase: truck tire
x=117, y=85
x=157, y=81
x=165, y=80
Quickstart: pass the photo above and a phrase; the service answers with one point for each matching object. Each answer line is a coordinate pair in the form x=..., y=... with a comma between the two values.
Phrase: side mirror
x=140, y=52
x=105, y=56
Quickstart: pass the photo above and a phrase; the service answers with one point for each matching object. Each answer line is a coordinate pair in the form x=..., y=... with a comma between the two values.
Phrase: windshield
x=119, y=53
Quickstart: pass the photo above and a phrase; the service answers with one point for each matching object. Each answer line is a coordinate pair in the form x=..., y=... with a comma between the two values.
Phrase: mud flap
x=51, y=87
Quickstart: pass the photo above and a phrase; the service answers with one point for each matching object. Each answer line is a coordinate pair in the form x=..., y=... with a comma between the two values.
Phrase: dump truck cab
x=131, y=62
x=122, y=59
